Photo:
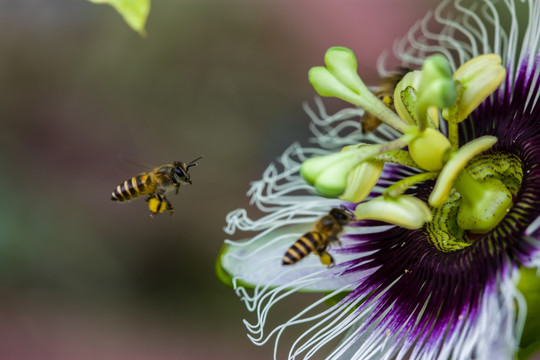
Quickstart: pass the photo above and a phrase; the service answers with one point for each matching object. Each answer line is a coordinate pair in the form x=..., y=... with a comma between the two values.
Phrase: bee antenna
x=347, y=210
x=193, y=163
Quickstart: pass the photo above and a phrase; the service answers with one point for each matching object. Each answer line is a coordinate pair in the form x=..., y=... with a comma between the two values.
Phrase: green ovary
x=454, y=225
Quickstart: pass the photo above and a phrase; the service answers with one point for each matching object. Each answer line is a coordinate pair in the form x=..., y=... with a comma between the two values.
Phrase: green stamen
x=399, y=187
x=436, y=87
x=361, y=180
x=476, y=80
x=329, y=174
x=340, y=79
x=405, y=211
x=480, y=77
x=457, y=162
x=406, y=100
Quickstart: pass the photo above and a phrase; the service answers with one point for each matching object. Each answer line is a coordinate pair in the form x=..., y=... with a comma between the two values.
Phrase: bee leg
x=334, y=240
x=157, y=204
x=177, y=188
x=326, y=258
x=168, y=205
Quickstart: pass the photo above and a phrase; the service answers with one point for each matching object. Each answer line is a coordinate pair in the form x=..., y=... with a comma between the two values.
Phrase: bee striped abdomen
x=301, y=248
x=129, y=189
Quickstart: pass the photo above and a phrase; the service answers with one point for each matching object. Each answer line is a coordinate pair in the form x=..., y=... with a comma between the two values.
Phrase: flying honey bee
x=156, y=184
x=386, y=95
x=326, y=232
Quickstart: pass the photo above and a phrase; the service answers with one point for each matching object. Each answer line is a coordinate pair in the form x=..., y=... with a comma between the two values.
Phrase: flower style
x=440, y=261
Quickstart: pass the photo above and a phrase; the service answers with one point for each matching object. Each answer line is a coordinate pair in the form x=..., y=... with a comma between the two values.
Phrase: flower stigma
x=419, y=98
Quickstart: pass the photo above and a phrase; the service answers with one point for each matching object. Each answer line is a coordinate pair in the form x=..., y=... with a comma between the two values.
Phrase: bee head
x=181, y=171
x=341, y=216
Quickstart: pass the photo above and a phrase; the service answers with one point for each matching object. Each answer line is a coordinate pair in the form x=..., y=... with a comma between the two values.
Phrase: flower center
x=503, y=171
x=476, y=203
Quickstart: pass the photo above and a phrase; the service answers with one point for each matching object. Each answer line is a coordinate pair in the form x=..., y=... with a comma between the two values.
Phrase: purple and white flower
x=431, y=266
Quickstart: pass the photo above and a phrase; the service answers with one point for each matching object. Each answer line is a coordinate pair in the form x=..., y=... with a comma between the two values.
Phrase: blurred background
x=86, y=103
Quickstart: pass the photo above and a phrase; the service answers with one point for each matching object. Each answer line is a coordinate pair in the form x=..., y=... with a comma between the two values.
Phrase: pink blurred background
x=84, y=99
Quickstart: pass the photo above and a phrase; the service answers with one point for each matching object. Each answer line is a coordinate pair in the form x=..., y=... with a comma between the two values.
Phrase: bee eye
x=339, y=215
x=181, y=173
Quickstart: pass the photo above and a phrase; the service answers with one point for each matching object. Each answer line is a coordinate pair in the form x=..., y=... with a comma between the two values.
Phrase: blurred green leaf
x=529, y=286
x=134, y=12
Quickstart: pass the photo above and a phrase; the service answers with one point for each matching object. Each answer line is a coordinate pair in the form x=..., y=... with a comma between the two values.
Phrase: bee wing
x=132, y=166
